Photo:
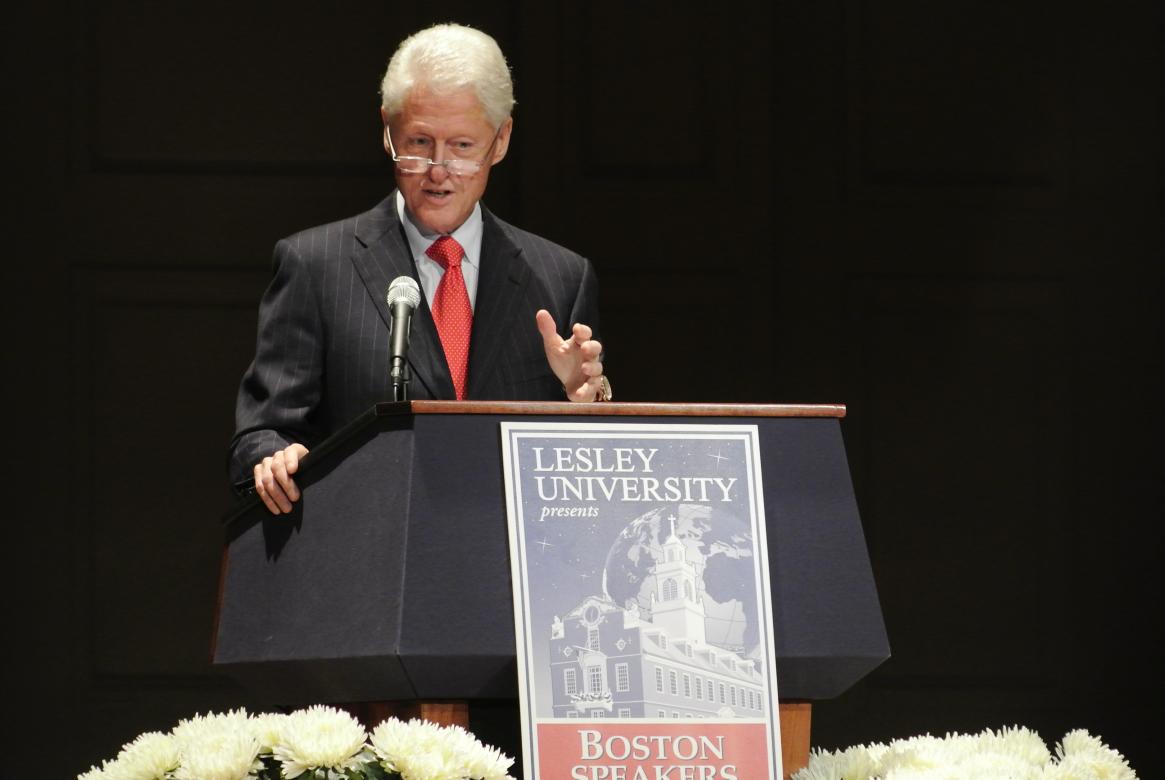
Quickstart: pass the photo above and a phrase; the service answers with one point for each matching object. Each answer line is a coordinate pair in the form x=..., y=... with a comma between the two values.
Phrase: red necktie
x=451, y=310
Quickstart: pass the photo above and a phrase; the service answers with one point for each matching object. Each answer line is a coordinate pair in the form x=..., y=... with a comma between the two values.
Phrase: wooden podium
x=390, y=581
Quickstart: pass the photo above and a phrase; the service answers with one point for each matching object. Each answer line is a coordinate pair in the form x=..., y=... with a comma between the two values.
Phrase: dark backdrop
x=945, y=215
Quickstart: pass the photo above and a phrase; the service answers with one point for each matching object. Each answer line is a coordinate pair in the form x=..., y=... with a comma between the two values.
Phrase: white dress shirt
x=421, y=238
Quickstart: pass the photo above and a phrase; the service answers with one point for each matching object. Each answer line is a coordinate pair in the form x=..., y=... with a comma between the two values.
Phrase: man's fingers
x=591, y=350
x=576, y=360
x=273, y=482
x=587, y=390
x=261, y=490
x=593, y=369
x=269, y=489
x=283, y=477
x=292, y=455
x=548, y=329
x=580, y=337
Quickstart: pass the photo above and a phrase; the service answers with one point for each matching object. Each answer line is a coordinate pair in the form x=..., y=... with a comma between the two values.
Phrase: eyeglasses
x=454, y=166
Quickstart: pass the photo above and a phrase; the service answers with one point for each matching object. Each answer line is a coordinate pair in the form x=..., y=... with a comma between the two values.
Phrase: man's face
x=443, y=127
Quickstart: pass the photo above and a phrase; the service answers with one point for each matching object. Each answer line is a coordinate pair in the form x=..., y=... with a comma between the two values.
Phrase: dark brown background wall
x=946, y=215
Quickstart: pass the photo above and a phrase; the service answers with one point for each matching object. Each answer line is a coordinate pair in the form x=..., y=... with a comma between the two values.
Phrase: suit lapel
x=502, y=280
x=381, y=255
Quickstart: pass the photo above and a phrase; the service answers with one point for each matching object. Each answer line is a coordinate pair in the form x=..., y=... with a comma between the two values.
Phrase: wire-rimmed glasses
x=453, y=166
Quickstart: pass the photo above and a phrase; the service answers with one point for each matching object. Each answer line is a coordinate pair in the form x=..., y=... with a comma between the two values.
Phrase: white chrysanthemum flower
x=222, y=755
x=430, y=765
x=820, y=767
x=875, y=750
x=1064, y=771
x=192, y=729
x=94, y=773
x=217, y=747
x=482, y=762
x=1088, y=757
x=995, y=765
x=1023, y=745
x=461, y=748
x=441, y=755
x=113, y=770
x=1013, y=753
x=488, y=763
x=928, y=773
x=1080, y=767
x=394, y=740
x=1017, y=754
x=855, y=763
x=823, y=765
x=319, y=737
x=268, y=729
x=914, y=754
x=1019, y=742
x=389, y=739
x=149, y=757
x=419, y=750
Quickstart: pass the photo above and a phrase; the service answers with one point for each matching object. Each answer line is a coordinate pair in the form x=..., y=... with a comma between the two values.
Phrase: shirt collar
x=468, y=234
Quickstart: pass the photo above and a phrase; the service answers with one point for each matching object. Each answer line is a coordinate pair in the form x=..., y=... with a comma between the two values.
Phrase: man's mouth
x=436, y=193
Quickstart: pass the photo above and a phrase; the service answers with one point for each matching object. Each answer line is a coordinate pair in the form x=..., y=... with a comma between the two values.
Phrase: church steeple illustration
x=676, y=603
x=652, y=660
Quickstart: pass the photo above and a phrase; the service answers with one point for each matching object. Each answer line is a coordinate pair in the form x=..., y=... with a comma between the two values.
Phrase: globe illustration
x=718, y=543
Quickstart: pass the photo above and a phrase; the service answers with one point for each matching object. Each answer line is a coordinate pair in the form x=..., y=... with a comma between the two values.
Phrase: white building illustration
x=607, y=661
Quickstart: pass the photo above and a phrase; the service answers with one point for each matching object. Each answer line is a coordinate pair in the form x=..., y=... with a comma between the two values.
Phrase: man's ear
x=384, y=133
x=503, y=144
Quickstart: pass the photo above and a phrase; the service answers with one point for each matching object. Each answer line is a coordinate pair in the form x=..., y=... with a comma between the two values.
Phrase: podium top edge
x=610, y=409
x=545, y=408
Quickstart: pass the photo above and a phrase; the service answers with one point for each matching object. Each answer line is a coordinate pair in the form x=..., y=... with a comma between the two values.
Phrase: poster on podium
x=642, y=605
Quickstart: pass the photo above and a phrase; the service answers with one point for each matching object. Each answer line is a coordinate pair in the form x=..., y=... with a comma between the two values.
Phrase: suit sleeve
x=585, y=308
x=281, y=390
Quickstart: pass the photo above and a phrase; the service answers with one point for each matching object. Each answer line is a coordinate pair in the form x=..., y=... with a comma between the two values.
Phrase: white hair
x=449, y=58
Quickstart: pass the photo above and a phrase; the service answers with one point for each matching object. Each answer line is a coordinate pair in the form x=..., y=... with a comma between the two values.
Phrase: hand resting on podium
x=273, y=478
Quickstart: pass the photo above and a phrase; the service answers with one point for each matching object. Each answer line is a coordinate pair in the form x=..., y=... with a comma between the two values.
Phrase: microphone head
x=404, y=288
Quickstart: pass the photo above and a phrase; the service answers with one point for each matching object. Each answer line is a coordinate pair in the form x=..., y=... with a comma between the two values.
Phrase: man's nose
x=437, y=171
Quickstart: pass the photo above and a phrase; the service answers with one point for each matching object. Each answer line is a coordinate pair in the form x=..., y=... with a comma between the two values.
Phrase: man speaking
x=493, y=295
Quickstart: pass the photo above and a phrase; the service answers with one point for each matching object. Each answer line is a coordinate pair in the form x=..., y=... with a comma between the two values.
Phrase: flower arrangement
x=316, y=743
x=1014, y=753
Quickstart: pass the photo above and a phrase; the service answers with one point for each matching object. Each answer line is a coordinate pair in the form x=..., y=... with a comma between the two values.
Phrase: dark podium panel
x=391, y=579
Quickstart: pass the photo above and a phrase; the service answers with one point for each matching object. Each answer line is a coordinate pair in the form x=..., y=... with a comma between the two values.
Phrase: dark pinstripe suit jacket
x=322, y=352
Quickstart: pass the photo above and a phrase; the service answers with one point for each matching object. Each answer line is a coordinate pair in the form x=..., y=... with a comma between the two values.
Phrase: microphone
x=403, y=296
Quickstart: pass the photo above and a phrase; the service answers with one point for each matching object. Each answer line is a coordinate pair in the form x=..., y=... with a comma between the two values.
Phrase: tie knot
x=446, y=251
